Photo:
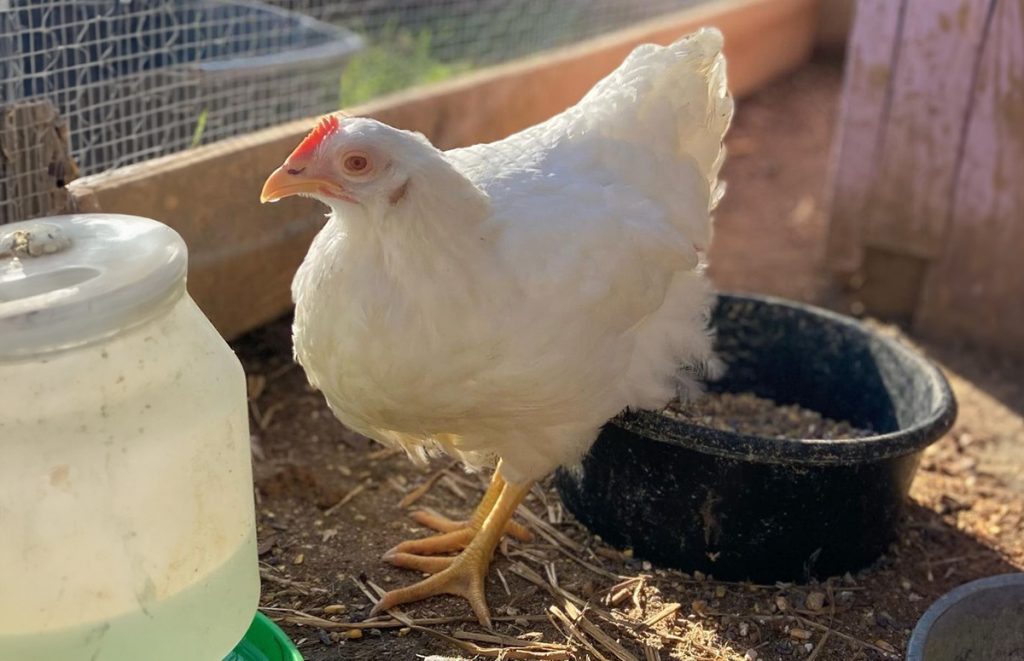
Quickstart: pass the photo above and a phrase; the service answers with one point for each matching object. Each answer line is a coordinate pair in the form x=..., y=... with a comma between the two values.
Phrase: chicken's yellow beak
x=284, y=182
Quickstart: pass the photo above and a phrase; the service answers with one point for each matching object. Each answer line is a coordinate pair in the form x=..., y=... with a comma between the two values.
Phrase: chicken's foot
x=457, y=534
x=464, y=574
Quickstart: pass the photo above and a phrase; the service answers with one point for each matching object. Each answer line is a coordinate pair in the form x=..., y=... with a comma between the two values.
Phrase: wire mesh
x=135, y=79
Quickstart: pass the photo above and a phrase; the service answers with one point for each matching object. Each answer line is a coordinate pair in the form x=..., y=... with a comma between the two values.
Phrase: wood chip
x=448, y=483
x=421, y=490
x=597, y=634
x=499, y=639
x=574, y=631
x=668, y=610
x=345, y=499
x=885, y=646
x=268, y=415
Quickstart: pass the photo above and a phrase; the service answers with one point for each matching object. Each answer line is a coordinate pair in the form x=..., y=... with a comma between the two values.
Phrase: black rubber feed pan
x=746, y=507
x=979, y=621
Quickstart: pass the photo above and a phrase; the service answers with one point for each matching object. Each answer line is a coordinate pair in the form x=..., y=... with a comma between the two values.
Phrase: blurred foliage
x=197, y=134
x=395, y=61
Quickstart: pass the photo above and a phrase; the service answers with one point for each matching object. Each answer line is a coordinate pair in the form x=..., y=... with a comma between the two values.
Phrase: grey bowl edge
x=919, y=636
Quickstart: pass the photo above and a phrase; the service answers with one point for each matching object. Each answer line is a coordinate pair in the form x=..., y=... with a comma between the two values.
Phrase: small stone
x=808, y=647
x=913, y=596
x=335, y=609
x=299, y=559
x=782, y=603
x=359, y=517
x=744, y=629
x=883, y=619
x=646, y=565
x=404, y=631
x=905, y=584
x=751, y=655
x=848, y=579
x=815, y=601
x=522, y=622
x=376, y=632
x=845, y=598
x=800, y=634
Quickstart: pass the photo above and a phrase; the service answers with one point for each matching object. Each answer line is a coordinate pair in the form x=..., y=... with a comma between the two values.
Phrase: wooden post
x=927, y=184
x=35, y=161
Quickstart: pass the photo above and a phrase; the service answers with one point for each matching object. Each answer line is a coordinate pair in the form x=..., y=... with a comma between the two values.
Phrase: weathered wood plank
x=908, y=205
x=975, y=289
x=868, y=79
x=243, y=255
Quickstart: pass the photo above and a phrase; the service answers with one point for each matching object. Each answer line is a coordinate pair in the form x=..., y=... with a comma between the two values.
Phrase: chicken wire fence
x=122, y=81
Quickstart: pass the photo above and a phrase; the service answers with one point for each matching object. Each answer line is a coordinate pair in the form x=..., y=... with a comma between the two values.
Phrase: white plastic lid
x=66, y=281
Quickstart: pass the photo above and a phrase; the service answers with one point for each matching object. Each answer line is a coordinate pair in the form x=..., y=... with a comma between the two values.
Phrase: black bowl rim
x=923, y=628
x=762, y=449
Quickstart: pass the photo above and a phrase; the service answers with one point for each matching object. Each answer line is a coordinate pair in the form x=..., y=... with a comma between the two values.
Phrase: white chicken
x=505, y=300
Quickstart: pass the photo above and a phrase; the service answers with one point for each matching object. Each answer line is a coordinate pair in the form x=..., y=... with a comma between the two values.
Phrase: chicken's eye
x=357, y=163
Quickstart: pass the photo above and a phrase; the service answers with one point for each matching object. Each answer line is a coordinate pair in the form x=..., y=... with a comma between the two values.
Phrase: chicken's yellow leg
x=457, y=534
x=464, y=574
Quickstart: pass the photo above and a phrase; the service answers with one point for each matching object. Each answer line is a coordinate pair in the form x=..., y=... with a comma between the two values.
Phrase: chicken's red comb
x=327, y=125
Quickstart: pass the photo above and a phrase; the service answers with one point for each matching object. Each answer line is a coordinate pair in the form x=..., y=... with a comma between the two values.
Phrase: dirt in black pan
x=746, y=413
x=329, y=501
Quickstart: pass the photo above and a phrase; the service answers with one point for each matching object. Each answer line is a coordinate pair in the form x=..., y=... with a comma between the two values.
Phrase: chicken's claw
x=464, y=577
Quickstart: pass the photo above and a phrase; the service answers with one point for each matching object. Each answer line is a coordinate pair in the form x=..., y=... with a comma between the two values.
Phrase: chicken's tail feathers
x=673, y=105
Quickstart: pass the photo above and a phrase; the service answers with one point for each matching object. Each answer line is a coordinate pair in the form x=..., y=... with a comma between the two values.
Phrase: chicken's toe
x=443, y=524
x=435, y=544
x=428, y=564
x=464, y=577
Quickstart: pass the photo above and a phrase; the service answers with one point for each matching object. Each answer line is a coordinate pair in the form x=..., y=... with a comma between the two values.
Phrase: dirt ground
x=328, y=500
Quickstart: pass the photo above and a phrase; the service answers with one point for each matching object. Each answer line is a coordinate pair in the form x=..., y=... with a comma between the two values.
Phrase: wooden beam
x=243, y=254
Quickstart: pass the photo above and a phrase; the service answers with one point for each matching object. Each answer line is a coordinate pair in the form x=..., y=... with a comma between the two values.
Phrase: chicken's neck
x=437, y=224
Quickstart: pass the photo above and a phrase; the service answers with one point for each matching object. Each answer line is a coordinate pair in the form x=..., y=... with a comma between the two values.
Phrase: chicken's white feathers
x=512, y=313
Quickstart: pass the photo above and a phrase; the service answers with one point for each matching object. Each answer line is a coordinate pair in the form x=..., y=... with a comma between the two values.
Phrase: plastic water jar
x=126, y=506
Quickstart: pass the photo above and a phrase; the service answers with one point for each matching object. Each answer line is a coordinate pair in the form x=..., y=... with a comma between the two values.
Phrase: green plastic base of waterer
x=264, y=641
